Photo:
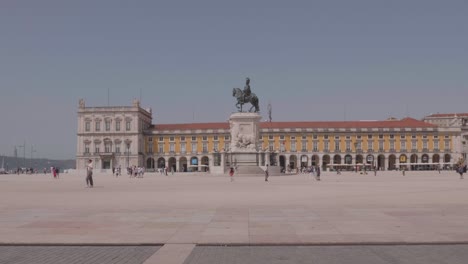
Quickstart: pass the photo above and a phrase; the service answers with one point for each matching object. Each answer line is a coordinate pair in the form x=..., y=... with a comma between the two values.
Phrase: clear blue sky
x=312, y=59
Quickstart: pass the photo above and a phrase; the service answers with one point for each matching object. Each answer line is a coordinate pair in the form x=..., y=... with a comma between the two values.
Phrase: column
x=223, y=161
x=177, y=164
x=267, y=158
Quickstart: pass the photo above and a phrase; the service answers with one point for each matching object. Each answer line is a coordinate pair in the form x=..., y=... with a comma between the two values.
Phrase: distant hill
x=12, y=162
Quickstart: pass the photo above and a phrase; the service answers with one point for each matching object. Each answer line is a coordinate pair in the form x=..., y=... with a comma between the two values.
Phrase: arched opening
x=161, y=163
x=414, y=161
x=370, y=161
x=447, y=161
x=172, y=164
x=315, y=160
x=193, y=164
x=392, y=162
x=325, y=162
x=336, y=162
x=205, y=162
x=381, y=162
x=348, y=159
x=150, y=163
x=183, y=164
x=435, y=158
x=282, y=162
x=304, y=161
x=292, y=162
x=403, y=160
x=425, y=159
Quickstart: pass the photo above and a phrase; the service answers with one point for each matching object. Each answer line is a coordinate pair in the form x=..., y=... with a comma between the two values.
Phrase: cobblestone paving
x=404, y=254
x=75, y=254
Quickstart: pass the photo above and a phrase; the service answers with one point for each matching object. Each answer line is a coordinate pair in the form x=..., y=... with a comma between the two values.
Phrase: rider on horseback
x=247, y=90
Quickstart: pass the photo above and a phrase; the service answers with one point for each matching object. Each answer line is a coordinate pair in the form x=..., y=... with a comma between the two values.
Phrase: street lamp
x=128, y=154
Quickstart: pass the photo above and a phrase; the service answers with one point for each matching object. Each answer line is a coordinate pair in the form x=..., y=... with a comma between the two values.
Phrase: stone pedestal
x=245, y=145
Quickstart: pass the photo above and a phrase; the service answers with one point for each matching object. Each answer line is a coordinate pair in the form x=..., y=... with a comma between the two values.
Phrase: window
x=381, y=146
x=160, y=148
x=194, y=147
x=226, y=146
x=216, y=137
x=414, y=145
x=293, y=137
x=348, y=146
x=315, y=137
x=281, y=136
x=447, y=144
x=150, y=148
x=403, y=144
x=261, y=137
x=86, y=148
x=270, y=146
x=425, y=136
x=107, y=148
x=194, y=138
x=380, y=136
x=413, y=136
x=304, y=146
x=270, y=137
x=337, y=137
x=182, y=138
x=424, y=144
x=369, y=136
x=150, y=139
x=183, y=148
x=161, y=139
x=325, y=137
x=402, y=136
x=205, y=147
x=326, y=146
x=370, y=145
x=436, y=144
x=315, y=146
x=282, y=148
x=128, y=125
x=446, y=137
x=337, y=146
x=358, y=136
x=172, y=147
x=117, y=125
x=392, y=145
x=348, y=137
x=304, y=137
x=171, y=139
x=436, y=137
x=96, y=148
x=87, y=126
x=392, y=136
x=205, y=138
x=293, y=146
x=215, y=146
x=108, y=125
x=358, y=146
x=117, y=147
x=226, y=137
x=98, y=126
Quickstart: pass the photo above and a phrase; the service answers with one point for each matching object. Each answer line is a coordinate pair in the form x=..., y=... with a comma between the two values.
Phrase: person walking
x=318, y=174
x=375, y=171
x=266, y=173
x=89, y=174
x=403, y=171
x=54, y=172
x=231, y=174
x=461, y=171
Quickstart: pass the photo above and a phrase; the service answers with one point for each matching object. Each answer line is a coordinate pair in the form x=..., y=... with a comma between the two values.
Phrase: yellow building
x=386, y=145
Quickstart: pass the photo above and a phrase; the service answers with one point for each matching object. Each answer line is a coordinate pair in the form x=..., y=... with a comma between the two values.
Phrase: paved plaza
x=187, y=211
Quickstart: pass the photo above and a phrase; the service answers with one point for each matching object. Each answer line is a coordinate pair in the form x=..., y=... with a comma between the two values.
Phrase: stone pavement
x=394, y=254
x=75, y=254
x=201, y=209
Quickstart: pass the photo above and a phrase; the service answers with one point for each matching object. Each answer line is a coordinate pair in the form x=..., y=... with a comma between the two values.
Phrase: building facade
x=125, y=136
x=456, y=121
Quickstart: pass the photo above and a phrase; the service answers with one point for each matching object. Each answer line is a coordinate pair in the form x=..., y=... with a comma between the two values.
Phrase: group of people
x=136, y=172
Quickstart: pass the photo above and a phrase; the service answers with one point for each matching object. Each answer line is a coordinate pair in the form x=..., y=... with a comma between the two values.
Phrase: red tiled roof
x=448, y=115
x=404, y=123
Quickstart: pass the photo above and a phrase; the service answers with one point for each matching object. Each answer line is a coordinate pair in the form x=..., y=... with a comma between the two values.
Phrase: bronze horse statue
x=241, y=100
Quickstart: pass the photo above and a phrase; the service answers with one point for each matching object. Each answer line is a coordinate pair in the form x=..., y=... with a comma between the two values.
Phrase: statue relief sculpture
x=246, y=96
x=240, y=140
x=81, y=103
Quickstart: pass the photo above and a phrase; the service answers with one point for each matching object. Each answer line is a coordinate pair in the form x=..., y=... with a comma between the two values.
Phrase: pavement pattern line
x=171, y=254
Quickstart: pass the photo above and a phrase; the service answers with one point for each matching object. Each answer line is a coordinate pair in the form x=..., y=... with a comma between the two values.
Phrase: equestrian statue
x=245, y=96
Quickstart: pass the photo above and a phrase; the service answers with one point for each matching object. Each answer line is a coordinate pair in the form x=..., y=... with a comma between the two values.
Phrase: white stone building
x=111, y=136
